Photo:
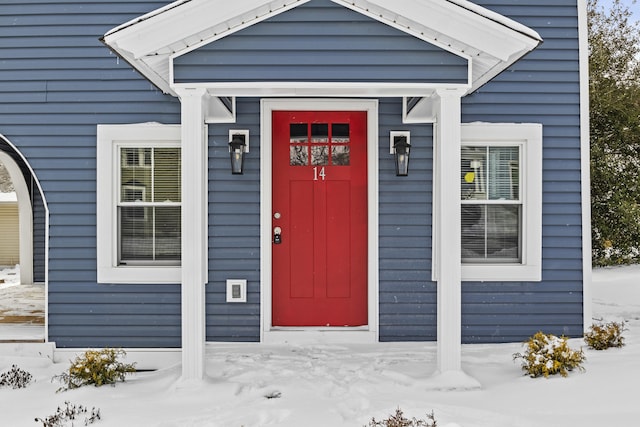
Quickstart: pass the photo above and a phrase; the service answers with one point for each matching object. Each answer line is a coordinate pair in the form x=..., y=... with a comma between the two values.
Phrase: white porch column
x=194, y=231
x=448, y=247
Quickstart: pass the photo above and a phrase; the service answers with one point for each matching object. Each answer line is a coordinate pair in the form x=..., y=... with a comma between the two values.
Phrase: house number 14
x=318, y=174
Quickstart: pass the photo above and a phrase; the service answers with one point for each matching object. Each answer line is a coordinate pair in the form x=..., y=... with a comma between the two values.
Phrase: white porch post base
x=449, y=264
x=194, y=233
x=456, y=380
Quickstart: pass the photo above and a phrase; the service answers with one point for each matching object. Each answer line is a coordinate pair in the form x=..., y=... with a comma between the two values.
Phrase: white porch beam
x=194, y=231
x=448, y=248
x=320, y=89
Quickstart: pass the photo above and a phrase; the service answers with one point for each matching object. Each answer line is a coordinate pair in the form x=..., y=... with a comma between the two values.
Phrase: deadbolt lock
x=277, y=235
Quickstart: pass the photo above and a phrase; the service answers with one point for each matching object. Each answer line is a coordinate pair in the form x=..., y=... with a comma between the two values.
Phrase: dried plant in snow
x=398, y=420
x=15, y=378
x=70, y=413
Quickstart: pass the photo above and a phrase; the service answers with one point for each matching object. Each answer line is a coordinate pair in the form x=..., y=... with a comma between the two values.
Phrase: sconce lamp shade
x=236, y=150
x=401, y=150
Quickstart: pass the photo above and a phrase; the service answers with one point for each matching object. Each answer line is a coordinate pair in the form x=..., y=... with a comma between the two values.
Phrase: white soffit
x=490, y=41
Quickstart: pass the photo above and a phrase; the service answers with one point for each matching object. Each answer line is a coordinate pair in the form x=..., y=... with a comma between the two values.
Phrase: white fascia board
x=494, y=16
x=237, y=20
x=491, y=42
x=204, y=21
x=402, y=23
x=146, y=16
x=461, y=25
x=161, y=28
x=149, y=43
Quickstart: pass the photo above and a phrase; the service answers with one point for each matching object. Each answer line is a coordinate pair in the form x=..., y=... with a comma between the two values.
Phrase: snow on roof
x=8, y=197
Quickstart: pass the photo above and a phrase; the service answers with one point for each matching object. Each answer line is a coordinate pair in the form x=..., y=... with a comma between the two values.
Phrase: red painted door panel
x=320, y=206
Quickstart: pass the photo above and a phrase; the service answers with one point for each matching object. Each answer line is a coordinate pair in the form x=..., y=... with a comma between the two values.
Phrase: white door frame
x=304, y=334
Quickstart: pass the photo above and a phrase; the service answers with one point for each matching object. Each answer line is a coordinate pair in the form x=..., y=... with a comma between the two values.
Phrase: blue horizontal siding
x=57, y=82
x=408, y=298
x=541, y=88
x=234, y=251
x=320, y=41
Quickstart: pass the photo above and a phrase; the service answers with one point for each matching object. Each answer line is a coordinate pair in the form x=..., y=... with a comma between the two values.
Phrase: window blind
x=491, y=204
x=149, y=207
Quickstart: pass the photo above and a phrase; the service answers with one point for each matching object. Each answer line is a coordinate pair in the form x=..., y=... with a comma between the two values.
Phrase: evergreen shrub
x=547, y=354
x=97, y=367
x=603, y=336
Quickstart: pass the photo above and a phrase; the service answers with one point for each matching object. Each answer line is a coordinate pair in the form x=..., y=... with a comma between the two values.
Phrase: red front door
x=319, y=218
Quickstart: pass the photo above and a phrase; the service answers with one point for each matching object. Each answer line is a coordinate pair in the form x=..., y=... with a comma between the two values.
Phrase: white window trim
x=109, y=138
x=528, y=136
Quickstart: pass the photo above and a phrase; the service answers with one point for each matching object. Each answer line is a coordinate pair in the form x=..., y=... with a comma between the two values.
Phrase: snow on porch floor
x=21, y=308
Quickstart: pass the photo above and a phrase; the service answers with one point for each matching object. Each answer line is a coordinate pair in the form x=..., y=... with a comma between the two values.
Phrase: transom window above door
x=319, y=144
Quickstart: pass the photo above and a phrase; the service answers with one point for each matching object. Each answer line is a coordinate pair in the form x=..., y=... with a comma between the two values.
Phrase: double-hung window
x=139, y=203
x=149, y=205
x=491, y=204
x=501, y=202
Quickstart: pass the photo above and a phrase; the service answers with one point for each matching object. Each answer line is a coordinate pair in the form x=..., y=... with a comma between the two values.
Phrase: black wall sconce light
x=238, y=146
x=400, y=147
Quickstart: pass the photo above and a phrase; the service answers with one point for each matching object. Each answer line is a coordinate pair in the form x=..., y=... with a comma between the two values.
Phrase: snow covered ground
x=21, y=307
x=345, y=385
x=9, y=275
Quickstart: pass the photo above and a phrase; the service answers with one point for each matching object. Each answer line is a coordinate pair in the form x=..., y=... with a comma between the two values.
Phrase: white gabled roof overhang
x=489, y=42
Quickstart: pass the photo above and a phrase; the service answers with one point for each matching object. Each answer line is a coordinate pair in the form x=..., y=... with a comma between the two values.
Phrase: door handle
x=277, y=235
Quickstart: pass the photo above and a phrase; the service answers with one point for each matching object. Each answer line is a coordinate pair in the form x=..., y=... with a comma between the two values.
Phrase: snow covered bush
x=15, y=378
x=603, y=336
x=398, y=420
x=548, y=354
x=69, y=414
x=97, y=367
